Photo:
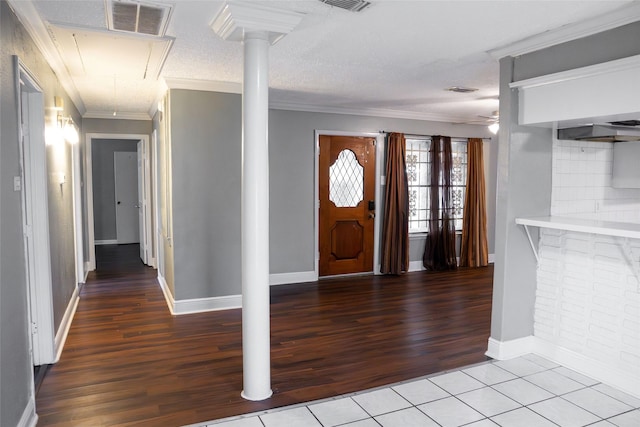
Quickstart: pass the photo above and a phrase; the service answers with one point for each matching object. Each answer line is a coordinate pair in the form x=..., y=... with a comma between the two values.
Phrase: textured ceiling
x=394, y=58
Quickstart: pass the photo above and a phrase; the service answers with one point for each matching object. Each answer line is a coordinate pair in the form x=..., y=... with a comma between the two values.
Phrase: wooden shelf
x=608, y=228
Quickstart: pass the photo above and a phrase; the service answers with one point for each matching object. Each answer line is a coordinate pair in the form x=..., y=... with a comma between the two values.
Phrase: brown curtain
x=474, y=251
x=440, y=248
x=395, y=230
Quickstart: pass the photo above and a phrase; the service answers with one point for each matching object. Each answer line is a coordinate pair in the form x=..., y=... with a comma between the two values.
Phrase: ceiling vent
x=350, y=5
x=138, y=17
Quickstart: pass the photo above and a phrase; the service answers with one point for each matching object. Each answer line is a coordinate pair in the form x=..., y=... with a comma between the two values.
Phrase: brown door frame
x=316, y=195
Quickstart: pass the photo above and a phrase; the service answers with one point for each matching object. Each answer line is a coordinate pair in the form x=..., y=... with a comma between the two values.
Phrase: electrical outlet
x=17, y=183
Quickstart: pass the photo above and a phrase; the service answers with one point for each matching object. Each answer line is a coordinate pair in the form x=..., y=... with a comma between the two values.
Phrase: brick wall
x=581, y=184
x=588, y=294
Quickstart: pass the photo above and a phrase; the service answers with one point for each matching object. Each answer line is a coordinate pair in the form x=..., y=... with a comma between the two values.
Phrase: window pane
x=418, y=176
x=346, y=180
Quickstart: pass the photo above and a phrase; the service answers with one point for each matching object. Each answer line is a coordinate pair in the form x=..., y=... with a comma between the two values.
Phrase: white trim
x=504, y=350
x=198, y=305
x=168, y=297
x=65, y=324
x=234, y=21
x=618, y=378
x=295, y=277
x=91, y=243
x=373, y=112
x=377, y=191
x=377, y=224
x=629, y=63
x=78, y=246
x=30, y=18
x=124, y=115
x=617, y=18
x=203, y=85
x=35, y=214
x=106, y=242
x=29, y=417
x=415, y=266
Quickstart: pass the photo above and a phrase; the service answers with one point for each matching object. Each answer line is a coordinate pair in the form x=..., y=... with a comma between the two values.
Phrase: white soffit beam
x=235, y=19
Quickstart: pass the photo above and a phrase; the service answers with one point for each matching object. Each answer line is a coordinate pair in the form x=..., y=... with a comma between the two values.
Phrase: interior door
x=347, y=204
x=126, y=192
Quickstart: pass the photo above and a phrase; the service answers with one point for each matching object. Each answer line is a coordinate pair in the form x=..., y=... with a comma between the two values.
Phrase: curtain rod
x=415, y=135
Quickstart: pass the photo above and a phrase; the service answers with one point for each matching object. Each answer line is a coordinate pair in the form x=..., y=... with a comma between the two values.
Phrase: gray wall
x=614, y=44
x=291, y=185
x=524, y=172
x=205, y=130
x=205, y=144
x=15, y=361
x=104, y=209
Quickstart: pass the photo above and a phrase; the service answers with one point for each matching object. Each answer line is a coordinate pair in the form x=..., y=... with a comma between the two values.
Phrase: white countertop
x=609, y=228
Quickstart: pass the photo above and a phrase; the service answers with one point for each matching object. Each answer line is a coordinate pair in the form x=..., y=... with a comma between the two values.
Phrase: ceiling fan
x=492, y=121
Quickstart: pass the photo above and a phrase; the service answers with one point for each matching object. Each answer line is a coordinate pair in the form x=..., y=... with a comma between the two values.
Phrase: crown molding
x=373, y=112
x=617, y=18
x=236, y=19
x=120, y=115
x=204, y=85
x=35, y=26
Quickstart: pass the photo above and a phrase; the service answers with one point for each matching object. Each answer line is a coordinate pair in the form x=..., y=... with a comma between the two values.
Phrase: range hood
x=614, y=132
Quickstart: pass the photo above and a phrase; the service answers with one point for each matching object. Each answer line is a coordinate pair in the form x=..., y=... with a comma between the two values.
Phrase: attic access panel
x=101, y=53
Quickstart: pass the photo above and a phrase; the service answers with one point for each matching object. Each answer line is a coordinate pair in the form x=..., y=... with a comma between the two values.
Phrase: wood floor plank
x=127, y=361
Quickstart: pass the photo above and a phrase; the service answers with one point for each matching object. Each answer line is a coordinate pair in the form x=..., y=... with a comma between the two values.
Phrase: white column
x=255, y=218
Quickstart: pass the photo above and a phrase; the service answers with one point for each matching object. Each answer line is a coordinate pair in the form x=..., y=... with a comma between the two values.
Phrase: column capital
x=236, y=19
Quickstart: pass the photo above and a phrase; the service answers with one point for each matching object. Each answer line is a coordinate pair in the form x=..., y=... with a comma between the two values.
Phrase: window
x=418, y=178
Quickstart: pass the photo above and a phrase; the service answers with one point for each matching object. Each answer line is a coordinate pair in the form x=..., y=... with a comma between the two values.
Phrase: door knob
x=372, y=215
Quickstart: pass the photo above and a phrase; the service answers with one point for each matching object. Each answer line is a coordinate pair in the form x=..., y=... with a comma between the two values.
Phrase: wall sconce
x=493, y=128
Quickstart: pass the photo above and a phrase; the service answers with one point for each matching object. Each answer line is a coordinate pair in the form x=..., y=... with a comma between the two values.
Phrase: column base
x=256, y=398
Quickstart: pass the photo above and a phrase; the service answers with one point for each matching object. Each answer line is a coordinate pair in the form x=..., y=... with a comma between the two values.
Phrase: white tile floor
x=525, y=392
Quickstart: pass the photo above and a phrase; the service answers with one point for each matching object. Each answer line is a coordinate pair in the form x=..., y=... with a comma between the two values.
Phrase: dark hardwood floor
x=128, y=362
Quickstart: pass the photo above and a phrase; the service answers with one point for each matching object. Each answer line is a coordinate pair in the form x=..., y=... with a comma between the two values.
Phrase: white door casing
x=88, y=187
x=33, y=181
x=126, y=197
x=140, y=204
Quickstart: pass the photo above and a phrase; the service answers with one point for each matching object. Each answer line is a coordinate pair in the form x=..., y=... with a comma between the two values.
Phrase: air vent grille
x=138, y=17
x=351, y=5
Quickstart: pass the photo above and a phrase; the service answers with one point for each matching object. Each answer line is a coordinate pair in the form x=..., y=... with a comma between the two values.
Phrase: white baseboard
x=295, y=277
x=168, y=297
x=198, y=305
x=417, y=265
x=616, y=377
x=503, y=350
x=29, y=417
x=65, y=324
x=106, y=242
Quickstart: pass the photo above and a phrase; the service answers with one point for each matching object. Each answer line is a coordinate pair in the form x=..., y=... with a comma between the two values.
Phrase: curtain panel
x=440, y=247
x=395, y=229
x=474, y=251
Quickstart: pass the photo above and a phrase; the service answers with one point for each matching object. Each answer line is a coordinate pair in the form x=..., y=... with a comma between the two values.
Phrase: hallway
x=127, y=361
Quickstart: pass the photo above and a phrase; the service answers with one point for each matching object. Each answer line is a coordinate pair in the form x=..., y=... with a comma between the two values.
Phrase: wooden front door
x=347, y=204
